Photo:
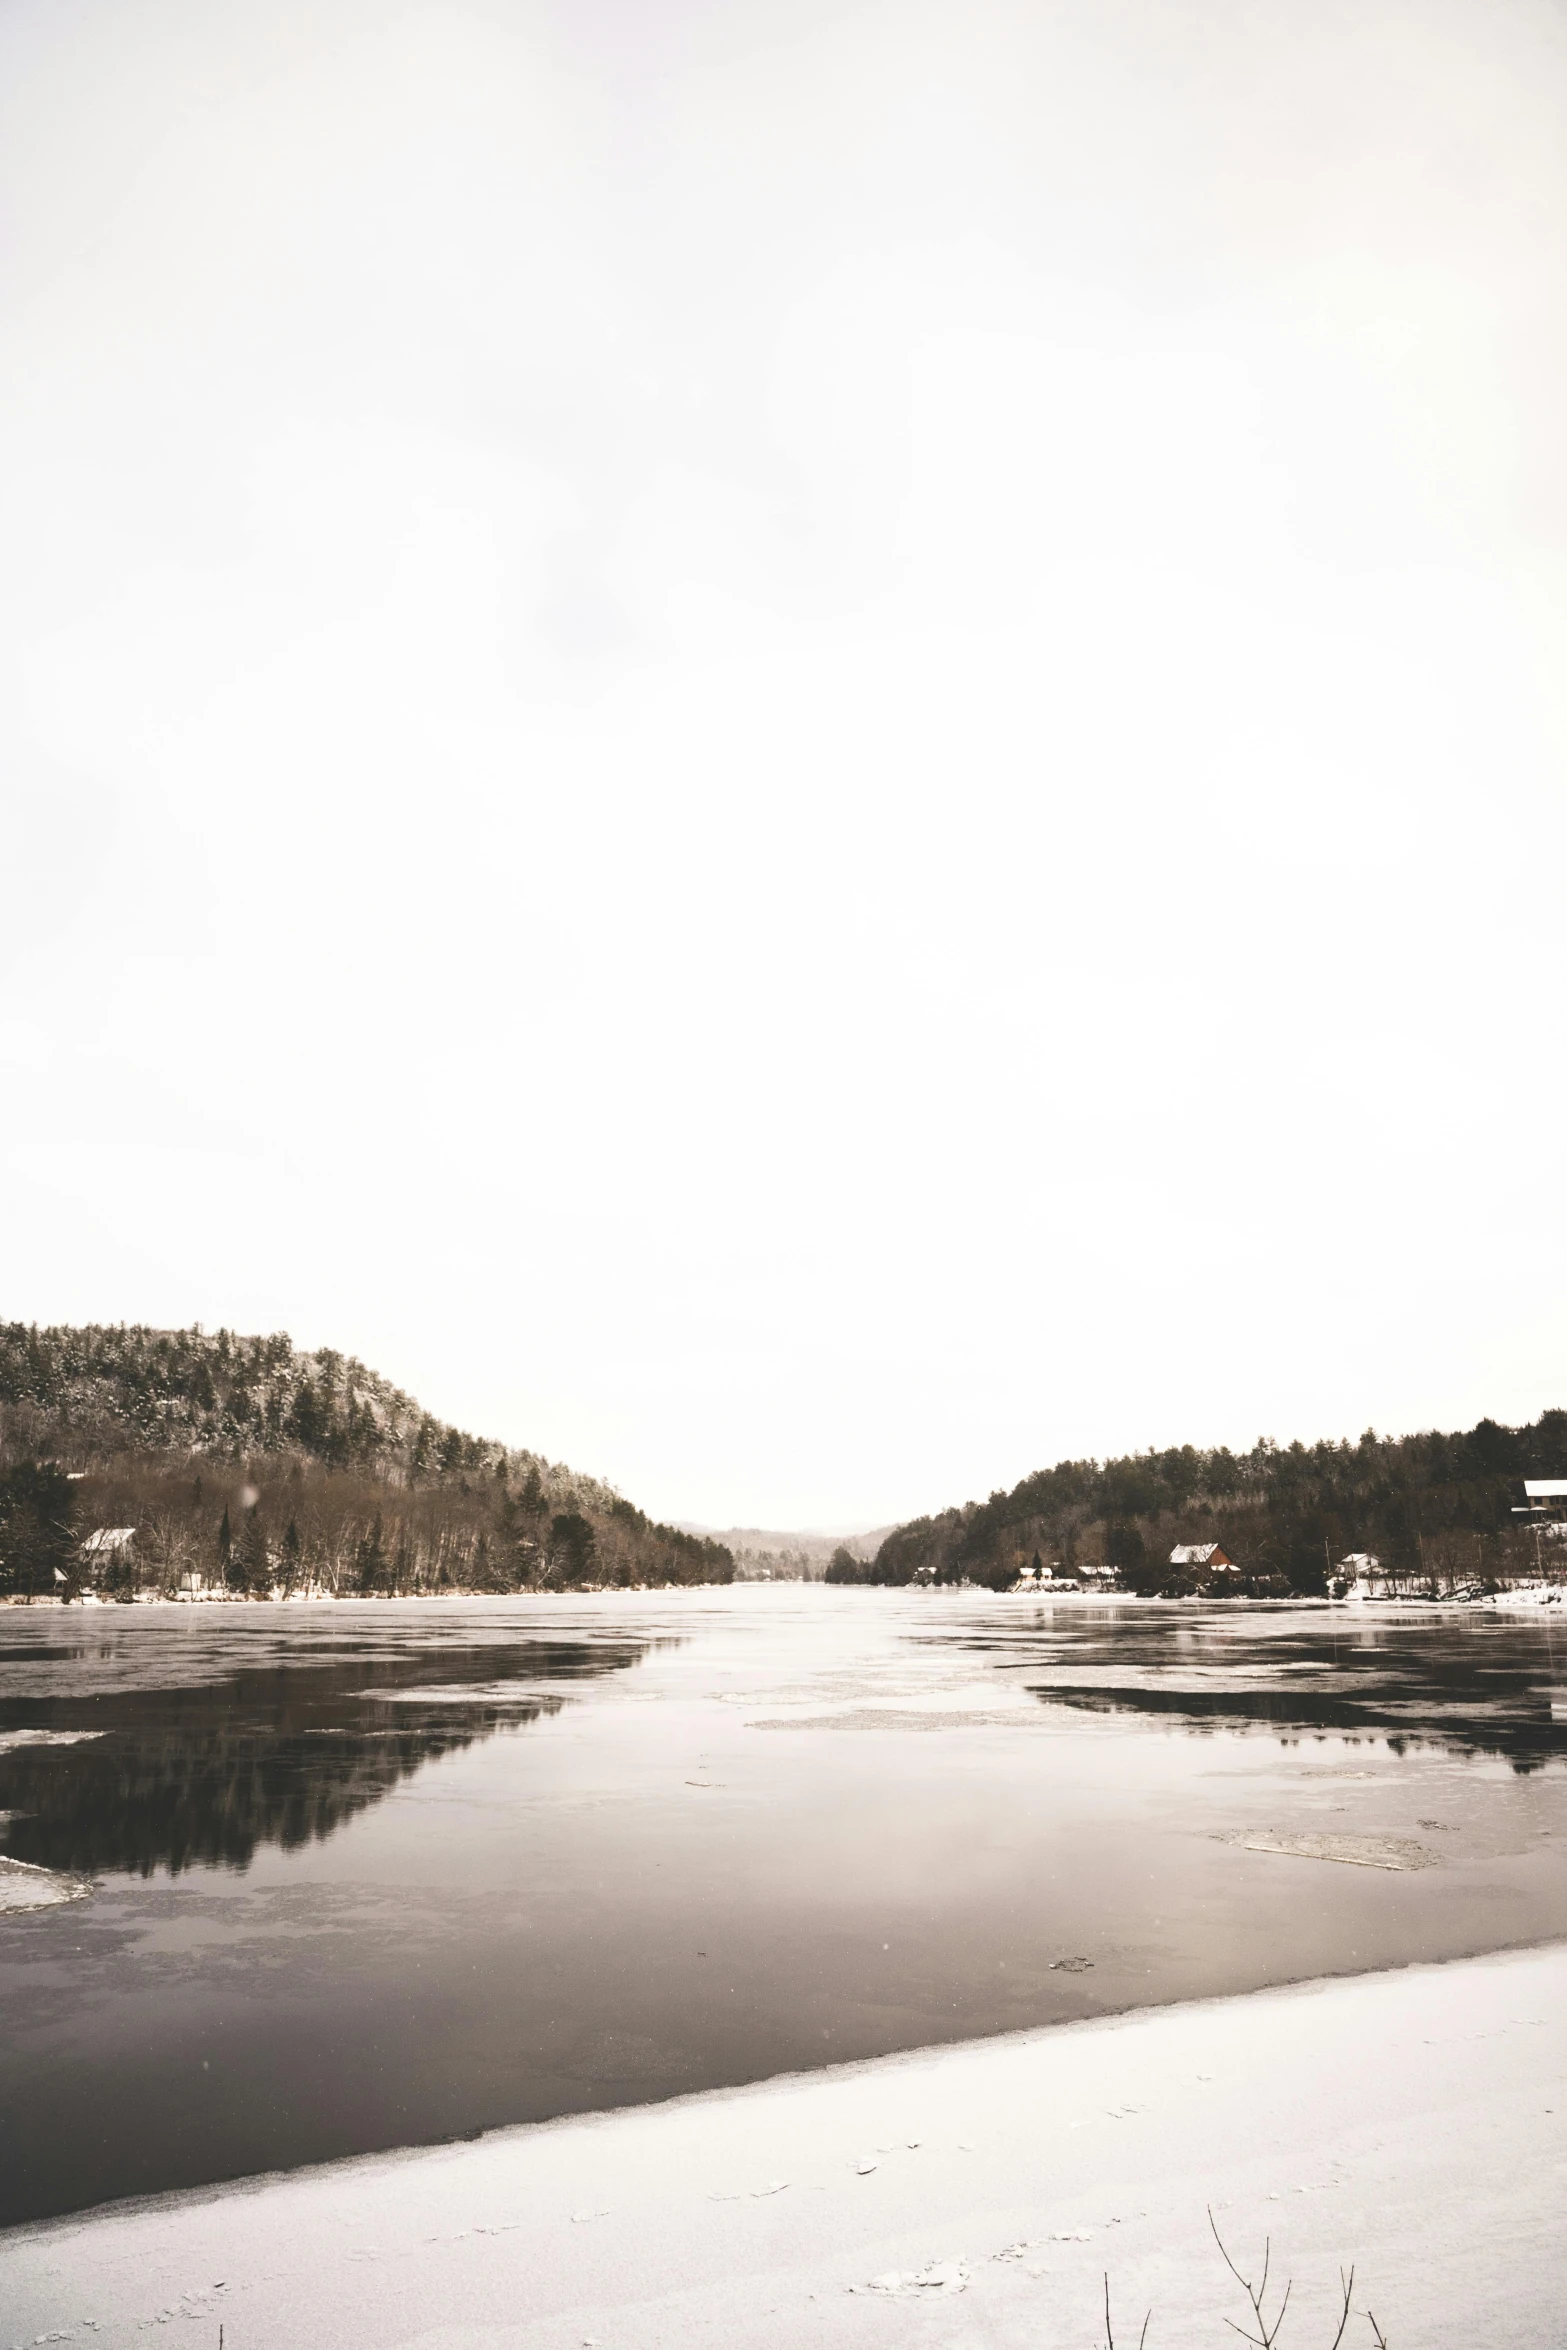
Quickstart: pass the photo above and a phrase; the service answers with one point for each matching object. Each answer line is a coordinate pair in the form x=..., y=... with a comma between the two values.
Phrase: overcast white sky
x=808, y=751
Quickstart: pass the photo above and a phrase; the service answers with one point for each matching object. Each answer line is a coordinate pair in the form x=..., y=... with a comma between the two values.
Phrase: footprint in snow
x=941, y=2276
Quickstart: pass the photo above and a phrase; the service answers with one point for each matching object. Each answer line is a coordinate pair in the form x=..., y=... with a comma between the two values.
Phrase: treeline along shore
x=1432, y=1512
x=166, y=1463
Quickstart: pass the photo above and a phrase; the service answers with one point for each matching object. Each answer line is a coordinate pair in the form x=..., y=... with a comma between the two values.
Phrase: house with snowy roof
x=1205, y=1556
x=108, y=1545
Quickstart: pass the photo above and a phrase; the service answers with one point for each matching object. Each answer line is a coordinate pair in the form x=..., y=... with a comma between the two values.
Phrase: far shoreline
x=1523, y=1595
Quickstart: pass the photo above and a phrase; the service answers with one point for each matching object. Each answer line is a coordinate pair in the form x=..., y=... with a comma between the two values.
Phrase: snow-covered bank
x=321, y=1595
x=1413, y=2123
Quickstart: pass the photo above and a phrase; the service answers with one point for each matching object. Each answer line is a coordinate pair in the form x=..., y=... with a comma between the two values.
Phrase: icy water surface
x=384, y=1873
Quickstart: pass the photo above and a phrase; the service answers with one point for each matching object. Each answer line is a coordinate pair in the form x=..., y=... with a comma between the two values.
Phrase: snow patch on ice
x=22, y=1886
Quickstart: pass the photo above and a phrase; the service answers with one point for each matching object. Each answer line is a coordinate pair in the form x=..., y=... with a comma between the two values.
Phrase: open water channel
x=383, y=1873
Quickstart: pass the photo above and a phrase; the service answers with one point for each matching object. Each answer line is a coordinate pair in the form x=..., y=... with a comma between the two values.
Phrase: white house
x=1357, y=1573
x=109, y=1545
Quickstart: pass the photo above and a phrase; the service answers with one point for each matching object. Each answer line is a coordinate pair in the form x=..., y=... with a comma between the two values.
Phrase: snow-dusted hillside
x=247, y=1461
x=103, y=1388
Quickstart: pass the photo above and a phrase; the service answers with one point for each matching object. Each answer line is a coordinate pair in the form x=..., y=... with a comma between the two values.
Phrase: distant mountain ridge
x=355, y=1484
x=763, y=1553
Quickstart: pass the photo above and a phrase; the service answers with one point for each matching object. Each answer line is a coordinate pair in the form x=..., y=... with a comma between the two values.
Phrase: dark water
x=279, y=1748
x=1473, y=1684
x=387, y=1873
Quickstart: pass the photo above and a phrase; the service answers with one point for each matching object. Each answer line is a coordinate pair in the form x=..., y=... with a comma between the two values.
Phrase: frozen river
x=385, y=1873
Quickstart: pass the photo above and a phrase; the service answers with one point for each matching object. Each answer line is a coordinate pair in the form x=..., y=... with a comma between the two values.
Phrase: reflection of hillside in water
x=1471, y=1684
x=181, y=1778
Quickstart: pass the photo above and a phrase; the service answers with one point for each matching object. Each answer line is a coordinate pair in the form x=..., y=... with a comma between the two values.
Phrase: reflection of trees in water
x=1479, y=1685
x=287, y=1755
x=1519, y=1728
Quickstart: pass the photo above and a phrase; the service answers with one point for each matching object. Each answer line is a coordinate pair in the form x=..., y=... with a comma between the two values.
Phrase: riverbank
x=1414, y=2124
x=1534, y=1593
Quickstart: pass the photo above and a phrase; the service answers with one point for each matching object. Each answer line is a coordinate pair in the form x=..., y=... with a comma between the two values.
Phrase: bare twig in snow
x=1268, y=2329
x=1266, y=2335
x=1109, y=2336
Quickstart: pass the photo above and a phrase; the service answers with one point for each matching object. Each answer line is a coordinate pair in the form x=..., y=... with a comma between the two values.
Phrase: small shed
x=1200, y=1554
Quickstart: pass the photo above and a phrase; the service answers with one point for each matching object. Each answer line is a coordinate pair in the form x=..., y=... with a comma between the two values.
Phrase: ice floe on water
x=22, y=1886
x=532, y=1694
x=1358, y=1852
x=10, y=1739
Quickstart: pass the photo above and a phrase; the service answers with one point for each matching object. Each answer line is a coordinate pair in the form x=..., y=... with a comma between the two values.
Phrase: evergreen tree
x=307, y=1415
x=37, y=1536
x=573, y=1548
x=253, y=1560
x=370, y=1559
x=516, y=1547
x=119, y=1580
x=1124, y=1548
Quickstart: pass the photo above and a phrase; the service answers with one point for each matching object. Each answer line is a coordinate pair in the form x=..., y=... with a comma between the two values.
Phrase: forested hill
x=246, y=1462
x=1438, y=1503
x=95, y=1391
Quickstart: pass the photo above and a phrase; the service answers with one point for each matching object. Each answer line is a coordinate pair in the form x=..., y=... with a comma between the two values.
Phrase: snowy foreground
x=1414, y=2123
